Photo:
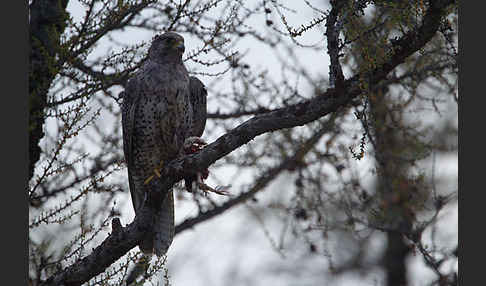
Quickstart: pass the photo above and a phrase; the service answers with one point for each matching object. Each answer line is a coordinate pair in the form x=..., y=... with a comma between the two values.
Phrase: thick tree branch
x=117, y=244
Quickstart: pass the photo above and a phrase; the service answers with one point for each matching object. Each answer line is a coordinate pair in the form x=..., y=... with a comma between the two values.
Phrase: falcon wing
x=128, y=119
x=198, y=101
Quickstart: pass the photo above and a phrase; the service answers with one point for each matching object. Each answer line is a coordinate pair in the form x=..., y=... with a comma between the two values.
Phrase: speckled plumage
x=162, y=106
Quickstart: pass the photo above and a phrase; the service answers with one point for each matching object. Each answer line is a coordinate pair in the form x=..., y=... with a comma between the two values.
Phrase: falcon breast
x=162, y=106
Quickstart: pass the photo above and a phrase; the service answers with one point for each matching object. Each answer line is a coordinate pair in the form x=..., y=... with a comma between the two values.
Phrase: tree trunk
x=395, y=260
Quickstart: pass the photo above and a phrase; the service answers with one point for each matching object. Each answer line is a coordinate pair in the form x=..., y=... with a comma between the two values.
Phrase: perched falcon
x=162, y=107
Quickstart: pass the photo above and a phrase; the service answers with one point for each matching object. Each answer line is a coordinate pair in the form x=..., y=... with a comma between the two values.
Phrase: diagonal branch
x=122, y=240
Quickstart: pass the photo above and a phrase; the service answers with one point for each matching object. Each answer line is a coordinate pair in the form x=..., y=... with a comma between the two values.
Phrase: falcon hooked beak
x=179, y=46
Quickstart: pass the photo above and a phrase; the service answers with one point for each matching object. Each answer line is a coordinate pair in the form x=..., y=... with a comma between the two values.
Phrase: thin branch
x=333, y=29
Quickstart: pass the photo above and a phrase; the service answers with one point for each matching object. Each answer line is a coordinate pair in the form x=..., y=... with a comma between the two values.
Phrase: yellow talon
x=156, y=171
x=148, y=179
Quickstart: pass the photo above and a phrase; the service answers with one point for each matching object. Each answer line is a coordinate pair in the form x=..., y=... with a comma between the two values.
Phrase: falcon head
x=169, y=44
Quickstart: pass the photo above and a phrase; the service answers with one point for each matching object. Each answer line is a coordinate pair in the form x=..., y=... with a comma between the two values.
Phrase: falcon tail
x=161, y=238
